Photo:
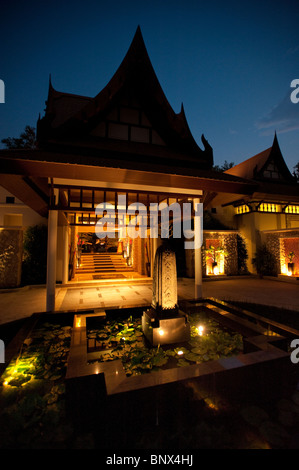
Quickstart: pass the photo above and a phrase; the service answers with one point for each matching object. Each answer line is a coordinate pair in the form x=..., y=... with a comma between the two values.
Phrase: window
x=292, y=209
x=271, y=172
x=268, y=207
x=10, y=200
x=242, y=209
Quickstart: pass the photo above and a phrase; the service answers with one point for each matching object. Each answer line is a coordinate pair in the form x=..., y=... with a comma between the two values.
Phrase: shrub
x=242, y=255
x=265, y=262
x=34, y=266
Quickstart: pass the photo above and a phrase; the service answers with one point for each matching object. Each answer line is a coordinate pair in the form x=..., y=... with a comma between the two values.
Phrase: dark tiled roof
x=72, y=118
x=254, y=168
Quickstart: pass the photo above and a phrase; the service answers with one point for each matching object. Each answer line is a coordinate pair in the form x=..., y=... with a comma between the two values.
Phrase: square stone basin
x=263, y=365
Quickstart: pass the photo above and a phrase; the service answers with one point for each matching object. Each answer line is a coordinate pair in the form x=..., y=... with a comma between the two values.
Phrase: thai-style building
x=270, y=215
x=128, y=142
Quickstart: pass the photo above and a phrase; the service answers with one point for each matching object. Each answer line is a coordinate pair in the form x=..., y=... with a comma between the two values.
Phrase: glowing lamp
x=161, y=332
x=216, y=270
x=180, y=353
x=284, y=269
x=200, y=330
x=289, y=273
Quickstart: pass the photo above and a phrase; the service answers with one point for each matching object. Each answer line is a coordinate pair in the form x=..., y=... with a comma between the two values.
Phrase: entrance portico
x=77, y=201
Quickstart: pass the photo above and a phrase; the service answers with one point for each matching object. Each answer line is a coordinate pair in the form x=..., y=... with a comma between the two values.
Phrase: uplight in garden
x=200, y=329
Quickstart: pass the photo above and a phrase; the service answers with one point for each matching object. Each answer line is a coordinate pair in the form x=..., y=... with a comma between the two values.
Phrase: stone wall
x=11, y=252
x=226, y=239
x=231, y=261
x=276, y=242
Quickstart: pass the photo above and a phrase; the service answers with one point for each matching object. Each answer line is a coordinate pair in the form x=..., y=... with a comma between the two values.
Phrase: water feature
x=122, y=338
x=164, y=322
x=120, y=357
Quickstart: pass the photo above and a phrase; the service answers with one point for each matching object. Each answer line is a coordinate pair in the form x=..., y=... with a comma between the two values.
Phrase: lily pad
x=192, y=357
x=183, y=363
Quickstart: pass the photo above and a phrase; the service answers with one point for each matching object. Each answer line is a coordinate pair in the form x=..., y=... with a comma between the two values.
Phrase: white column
x=197, y=254
x=51, y=259
x=65, y=261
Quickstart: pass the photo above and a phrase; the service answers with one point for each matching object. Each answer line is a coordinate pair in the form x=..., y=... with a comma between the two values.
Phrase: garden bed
x=32, y=394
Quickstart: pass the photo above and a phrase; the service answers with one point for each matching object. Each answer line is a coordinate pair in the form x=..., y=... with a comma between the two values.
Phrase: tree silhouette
x=296, y=171
x=224, y=167
x=26, y=140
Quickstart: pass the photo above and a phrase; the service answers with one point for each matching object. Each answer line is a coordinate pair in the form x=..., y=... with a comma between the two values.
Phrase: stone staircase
x=102, y=264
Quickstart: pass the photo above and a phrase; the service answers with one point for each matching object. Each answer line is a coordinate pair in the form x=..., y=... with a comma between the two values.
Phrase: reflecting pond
x=123, y=339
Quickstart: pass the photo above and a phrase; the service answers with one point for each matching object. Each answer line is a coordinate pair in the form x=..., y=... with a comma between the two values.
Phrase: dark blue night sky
x=230, y=63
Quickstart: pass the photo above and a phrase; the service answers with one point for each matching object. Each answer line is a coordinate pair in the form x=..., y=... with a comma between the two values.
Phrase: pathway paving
x=255, y=290
x=20, y=303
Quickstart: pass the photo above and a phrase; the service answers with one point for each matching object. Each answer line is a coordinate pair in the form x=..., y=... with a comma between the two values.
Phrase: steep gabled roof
x=266, y=166
x=78, y=120
x=62, y=106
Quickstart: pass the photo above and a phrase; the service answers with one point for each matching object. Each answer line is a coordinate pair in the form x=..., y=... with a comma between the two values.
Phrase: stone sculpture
x=164, y=322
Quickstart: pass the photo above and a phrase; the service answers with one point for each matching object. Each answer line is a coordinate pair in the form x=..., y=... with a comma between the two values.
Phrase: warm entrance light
x=289, y=273
x=200, y=329
x=284, y=269
x=180, y=353
x=216, y=270
x=161, y=332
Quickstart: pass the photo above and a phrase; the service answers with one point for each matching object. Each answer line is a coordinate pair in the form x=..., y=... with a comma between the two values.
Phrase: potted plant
x=211, y=253
x=291, y=265
x=214, y=254
x=220, y=251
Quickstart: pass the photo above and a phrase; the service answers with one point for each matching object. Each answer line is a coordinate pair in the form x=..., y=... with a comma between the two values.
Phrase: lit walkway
x=19, y=303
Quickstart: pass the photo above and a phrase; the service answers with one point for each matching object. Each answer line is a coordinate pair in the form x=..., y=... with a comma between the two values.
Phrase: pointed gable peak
x=182, y=111
x=275, y=144
x=137, y=60
x=131, y=109
x=138, y=41
x=275, y=167
x=50, y=81
x=138, y=38
x=268, y=165
x=50, y=87
x=275, y=151
x=137, y=48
